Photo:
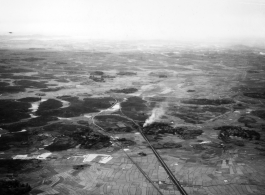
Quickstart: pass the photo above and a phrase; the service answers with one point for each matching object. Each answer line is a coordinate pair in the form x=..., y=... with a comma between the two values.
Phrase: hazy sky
x=141, y=19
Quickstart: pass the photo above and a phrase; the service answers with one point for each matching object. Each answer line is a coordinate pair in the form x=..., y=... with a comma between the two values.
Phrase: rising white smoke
x=157, y=113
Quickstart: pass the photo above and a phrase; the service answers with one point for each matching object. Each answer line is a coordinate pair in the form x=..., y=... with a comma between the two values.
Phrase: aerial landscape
x=122, y=97
x=71, y=119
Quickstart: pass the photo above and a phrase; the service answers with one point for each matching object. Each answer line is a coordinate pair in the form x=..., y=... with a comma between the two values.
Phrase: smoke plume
x=157, y=113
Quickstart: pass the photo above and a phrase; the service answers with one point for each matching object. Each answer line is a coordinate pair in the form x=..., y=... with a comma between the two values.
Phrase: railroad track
x=164, y=165
x=121, y=147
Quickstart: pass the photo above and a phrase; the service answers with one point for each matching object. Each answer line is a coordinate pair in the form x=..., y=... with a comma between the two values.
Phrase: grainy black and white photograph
x=132, y=97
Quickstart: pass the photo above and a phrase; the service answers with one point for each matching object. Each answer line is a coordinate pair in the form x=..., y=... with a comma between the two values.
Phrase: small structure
x=105, y=158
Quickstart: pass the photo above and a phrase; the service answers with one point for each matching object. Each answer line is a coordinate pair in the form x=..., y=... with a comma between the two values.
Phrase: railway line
x=128, y=156
x=164, y=165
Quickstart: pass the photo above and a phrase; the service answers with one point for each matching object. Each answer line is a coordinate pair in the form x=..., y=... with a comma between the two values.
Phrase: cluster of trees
x=13, y=187
x=126, y=91
x=91, y=140
x=227, y=131
x=162, y=128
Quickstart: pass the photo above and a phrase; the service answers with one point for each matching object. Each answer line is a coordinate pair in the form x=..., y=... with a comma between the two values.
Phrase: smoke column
x=156, y=114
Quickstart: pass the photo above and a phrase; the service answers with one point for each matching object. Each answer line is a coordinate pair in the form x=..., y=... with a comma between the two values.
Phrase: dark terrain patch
x=239, y=106
x=125, y=142
x=40, y=94
x=83, y=122
x=215, y=102
x=97, y=73
x=246, y=120
x=6, y=88
x=17, y=165
x=227, y=131
x=32, y=59
x=126, y=91
x=19, y=139
x=96, y=78
x=13, y=187
x=31, y=84
x=79, y=168
x=46, y=76
x=75, y=79
x=12, y=89
x=162, y=128
x=135, y=108
x=30, y=99
x=115, y=124
x=40, y=121
x=12, y=111
x=259, y=113
x=253, y=71
x=160, y=74
x=62, y=80
x=7, y=61
x=50, y=104
x=13, y=70
x=93, y=140
x=74, y=135
x=33, y=122
x=36, y=48
x=61, y=143
x=108, y=77
x=4, y=84
x=67, y=98
x=21, y=77
x=255, y=95
x=157, y=99
x=4, y=147
x=52, y=89
x=78, y=107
